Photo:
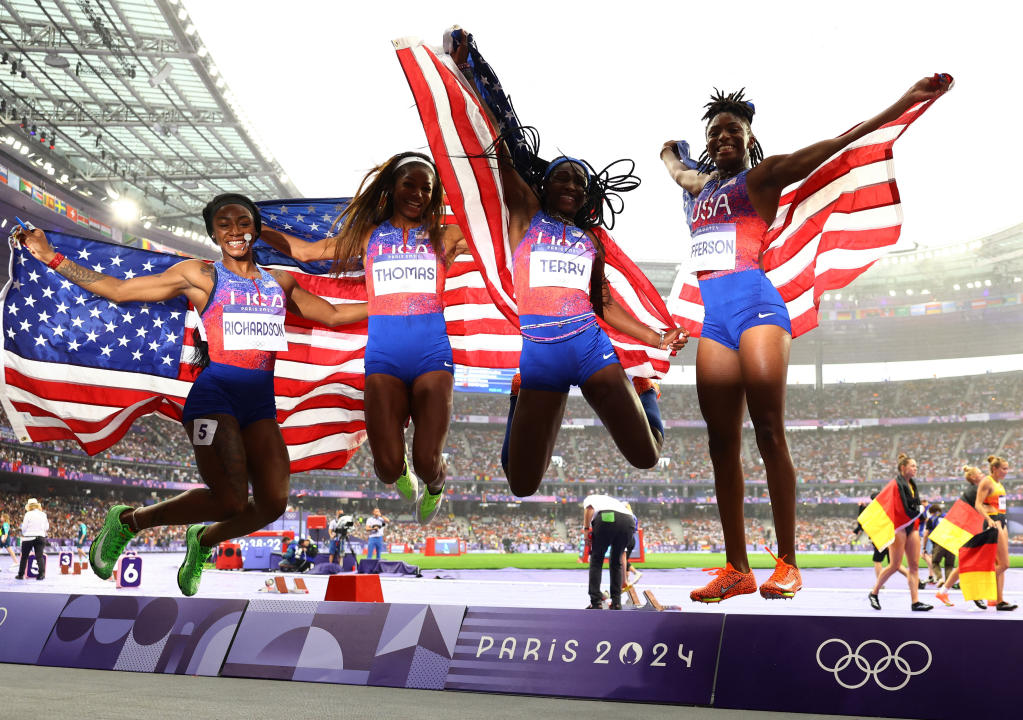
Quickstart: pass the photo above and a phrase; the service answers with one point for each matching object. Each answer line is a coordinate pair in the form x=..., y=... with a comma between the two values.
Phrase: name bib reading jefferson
x=712, y=248
x=254, y=327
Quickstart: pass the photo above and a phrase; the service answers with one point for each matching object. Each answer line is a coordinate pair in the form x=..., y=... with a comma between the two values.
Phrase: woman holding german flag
x=897, y=508
x=972, y=529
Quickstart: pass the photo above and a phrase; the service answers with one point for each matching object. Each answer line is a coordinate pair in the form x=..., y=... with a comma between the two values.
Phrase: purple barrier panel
x=656, y=657
x=26, y=620
x=183, y=636
x=874, y=666
x=379, y=644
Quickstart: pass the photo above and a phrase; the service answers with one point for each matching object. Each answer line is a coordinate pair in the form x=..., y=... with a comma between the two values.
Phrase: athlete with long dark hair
x=560, y=289
x=393, y=228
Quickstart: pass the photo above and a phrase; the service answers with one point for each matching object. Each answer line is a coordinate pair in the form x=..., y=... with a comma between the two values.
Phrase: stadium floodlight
x=925, y=292
x=182, y=14
x=827, y=296
x=147, y=224
x=891, y=293
x=125, y=209
x=1017, y=279
x=987, y=283
x=56, y=60
x=24, y=150
x=969, y=286
x=956, y=287
x=909, y=291
x=838, y=296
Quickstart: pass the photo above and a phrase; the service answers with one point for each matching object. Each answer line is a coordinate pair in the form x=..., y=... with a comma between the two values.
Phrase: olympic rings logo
x=873, y=671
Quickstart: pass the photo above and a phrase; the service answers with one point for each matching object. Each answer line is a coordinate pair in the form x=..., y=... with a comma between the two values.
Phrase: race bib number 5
x=559, y=266
x=254, y=327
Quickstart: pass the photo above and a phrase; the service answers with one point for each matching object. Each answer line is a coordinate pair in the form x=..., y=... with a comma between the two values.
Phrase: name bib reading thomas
x=559, y=266
x=712, y=248
x=254, y=327
x=404, y=273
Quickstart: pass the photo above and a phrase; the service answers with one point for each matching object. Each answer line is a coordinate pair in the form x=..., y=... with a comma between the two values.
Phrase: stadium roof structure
x=125, y=102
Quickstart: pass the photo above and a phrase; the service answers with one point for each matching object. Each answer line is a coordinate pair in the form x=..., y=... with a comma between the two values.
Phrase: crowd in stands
x=944, y=397
x=833, y=466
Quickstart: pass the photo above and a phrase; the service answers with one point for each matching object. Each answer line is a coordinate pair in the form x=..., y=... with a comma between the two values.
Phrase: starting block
x=279, y=584
x=65, y=562
x=77, y=568
x=652, y=603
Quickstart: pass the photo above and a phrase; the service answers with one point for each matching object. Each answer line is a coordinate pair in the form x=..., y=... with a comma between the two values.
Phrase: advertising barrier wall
x=875, y=666
x=655, y=657
x=345, y=642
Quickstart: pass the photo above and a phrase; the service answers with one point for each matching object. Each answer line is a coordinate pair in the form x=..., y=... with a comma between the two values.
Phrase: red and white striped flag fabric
x=829, y=229
x=458, y=133
x=76, y=366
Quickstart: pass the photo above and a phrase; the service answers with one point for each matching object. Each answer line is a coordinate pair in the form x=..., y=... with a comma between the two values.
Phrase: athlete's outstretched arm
x=305, y=304
x=296, y=248
x=767, y=180
x=622, y=320
x=188, y=277
x=520, y=199
x=692, y=181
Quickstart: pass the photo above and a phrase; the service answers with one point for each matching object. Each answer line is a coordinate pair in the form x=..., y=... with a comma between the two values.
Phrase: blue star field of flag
x=307, y=219
x=46, y=317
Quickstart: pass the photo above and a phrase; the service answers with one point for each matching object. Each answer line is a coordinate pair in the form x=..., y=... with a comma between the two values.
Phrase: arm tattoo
x=77, y=274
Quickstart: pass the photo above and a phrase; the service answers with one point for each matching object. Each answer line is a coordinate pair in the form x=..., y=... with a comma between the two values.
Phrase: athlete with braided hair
x=554, y=209
x=393, y=227
x=742, y=358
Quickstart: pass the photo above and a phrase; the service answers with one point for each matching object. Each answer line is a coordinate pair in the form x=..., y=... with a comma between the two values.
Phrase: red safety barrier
x=354, y=588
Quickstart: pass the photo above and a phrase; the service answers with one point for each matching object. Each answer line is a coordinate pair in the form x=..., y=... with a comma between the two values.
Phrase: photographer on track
x=375, y=531
x=339, y=528
x=299, y=556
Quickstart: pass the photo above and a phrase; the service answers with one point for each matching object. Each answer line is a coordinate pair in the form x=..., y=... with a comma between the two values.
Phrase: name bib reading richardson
x=559, y=266
x=712, y=248
x=405, y=273
x=254, y=327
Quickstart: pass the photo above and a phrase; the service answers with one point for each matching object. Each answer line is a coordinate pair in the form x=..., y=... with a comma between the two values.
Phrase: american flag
x=80, y=367
x=76, y=365
x=458, y=133
x=829, y=229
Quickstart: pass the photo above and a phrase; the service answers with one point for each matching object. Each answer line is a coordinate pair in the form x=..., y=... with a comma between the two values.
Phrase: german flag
x=977, y=566
x=960, y=523
x=892, y=510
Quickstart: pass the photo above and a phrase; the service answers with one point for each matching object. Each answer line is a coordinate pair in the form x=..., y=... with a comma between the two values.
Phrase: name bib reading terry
x=559, y=266
x=254, y=327
x=712, y=248
x=404, y=273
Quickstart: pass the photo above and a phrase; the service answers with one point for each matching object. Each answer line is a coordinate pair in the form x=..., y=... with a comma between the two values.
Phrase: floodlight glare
x=125, y=210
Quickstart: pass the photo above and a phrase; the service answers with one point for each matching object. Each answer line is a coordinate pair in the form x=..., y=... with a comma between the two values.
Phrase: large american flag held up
x=829, y=229
x=76, y=365
x=80, y=367
x=458, y=133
